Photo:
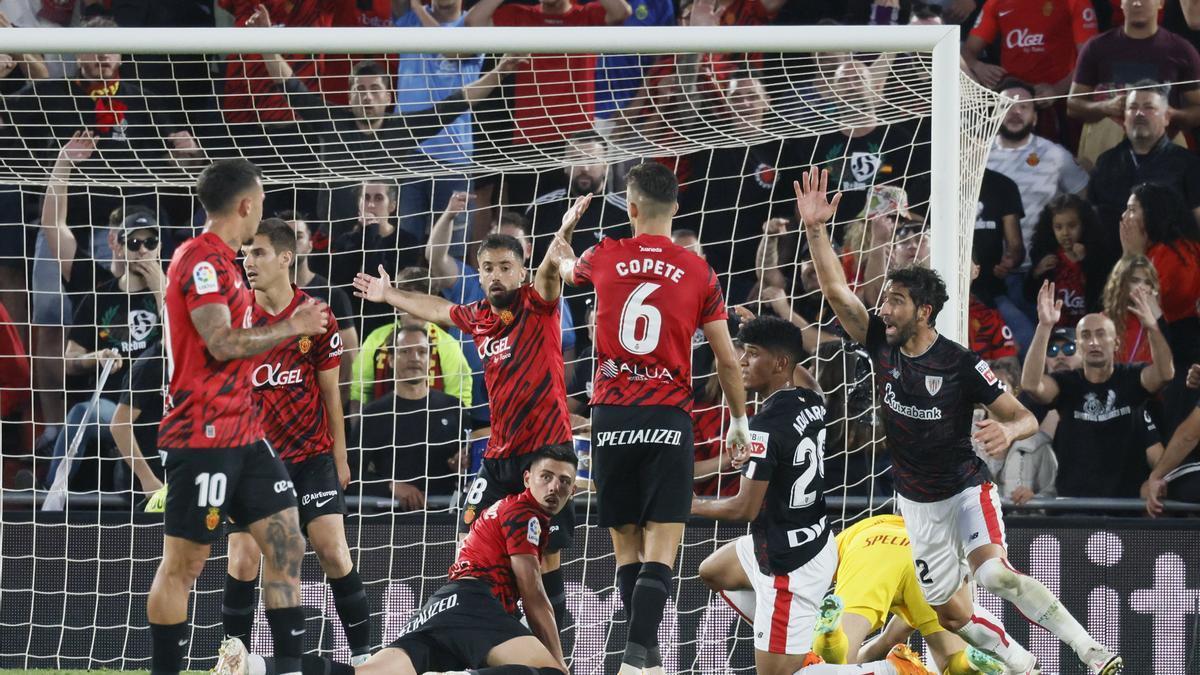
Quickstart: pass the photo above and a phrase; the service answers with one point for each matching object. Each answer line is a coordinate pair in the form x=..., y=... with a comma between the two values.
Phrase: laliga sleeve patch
x=758, y=443
x=204, y=276
x=986, y=371
x=534, y=533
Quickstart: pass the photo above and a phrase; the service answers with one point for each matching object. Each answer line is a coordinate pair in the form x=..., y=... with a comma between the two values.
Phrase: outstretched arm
x=1183, y=441
x=548, y=279
x=54, y=208
x=1034, y=379
x=441, y=267
x=424, y=307
x=815, y=211
x=277, y=66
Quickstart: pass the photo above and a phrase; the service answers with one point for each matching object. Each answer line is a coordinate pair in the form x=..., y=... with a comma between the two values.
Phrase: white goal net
x=407, y=162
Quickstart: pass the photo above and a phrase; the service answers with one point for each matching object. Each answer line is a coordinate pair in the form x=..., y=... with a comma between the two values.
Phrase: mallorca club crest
x=469, y=515
x=305, y=344
x=933, y=384
x=213, y=519
x=506, y=317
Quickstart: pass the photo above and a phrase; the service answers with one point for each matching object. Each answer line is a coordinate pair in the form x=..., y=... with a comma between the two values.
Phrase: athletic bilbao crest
x=305, y=344
x=933, y=384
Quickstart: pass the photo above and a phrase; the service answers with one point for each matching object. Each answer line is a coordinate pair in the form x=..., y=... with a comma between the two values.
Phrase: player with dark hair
x=217, y=461
x=518, y=334
x=651, y=298
x=296, y=388
x=471, y=621
x=928, y=387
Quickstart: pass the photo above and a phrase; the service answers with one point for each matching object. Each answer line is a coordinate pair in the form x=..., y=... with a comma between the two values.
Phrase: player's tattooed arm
x=741, y=508
x=815, y=211
x=537, y=605
x=225, y=343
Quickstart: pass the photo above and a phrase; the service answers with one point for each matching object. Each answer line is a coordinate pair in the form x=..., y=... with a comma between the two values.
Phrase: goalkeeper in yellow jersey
x=875, y=577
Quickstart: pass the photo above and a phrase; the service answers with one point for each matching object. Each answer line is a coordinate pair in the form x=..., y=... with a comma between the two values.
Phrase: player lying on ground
x=218, y=463
x=471, y=621
x=518, y=333
x=775, y=575
x=651, y=298
x=875, y=577
x=929, y=387
x=296, y=389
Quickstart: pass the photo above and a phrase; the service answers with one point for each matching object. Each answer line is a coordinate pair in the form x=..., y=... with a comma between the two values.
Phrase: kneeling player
x=296, y=389
x=875, y=577
x=471, y=621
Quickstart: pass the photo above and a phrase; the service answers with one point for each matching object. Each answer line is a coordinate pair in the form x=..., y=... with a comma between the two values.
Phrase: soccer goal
x=738, y=112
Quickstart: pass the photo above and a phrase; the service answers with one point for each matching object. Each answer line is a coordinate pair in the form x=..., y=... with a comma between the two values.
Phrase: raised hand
x=261, y=18
x=1049, y=309
x=512, y=62
x=458, y=202
x=79, y=148
x=370, y=288
x=1144, y=305
x=776, y=226
x=1193, y=376
x=704, y=13
x=815, y=210
x=572, y=216
x=310, y=318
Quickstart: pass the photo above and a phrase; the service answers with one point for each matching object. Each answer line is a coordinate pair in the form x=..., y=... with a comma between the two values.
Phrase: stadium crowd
x=1086, y=255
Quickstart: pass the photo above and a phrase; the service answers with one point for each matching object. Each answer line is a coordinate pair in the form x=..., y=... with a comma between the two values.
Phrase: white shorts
x=785, y=606
x=944, y=533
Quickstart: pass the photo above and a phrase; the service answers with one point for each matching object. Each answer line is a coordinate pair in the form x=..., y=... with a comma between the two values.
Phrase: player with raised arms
x=471, y=621
x=296, y=388
x=651, y=297
x=518, y=334
x=928, y=387
x=218, y=463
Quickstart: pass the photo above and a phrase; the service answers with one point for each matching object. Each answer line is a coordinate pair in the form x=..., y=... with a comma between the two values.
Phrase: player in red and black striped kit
x=217, y=462
x=518, y=334
x=472, y=621
x=651, y=298
x=296, y=389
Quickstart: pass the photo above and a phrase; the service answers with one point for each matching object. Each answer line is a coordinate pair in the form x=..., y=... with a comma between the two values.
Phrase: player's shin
x=287, y=634
x=237, y=608
x=984, y=631
x=627, y=576
x=649, y=597
x=351, y=602
x=1035, y=602
x=168, y=643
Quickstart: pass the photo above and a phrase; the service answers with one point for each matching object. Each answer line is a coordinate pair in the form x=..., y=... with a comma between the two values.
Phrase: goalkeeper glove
x=158, y=501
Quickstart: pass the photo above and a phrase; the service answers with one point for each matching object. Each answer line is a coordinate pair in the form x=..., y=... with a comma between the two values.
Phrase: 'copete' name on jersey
x=650, y=266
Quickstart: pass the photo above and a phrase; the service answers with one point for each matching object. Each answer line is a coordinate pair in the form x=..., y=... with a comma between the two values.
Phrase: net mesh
x=377, y=187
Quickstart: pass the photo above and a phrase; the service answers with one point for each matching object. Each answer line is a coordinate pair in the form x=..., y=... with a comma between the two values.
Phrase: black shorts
x=457, y=628
x=317, y=491
x=642, y=464
x=499, y=478
x=246, y=484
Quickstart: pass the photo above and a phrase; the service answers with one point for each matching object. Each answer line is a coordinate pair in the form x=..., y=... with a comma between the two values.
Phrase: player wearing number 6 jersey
x=651, y=297
x=928, y=387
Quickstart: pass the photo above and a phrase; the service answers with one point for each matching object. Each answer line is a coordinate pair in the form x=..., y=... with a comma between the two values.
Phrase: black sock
x=649, y=597
x=166, y=652
x=287, y=633
x=352, y=609
x=557, y=593
x=627, y=576
x=311, y=664
x=237, y=608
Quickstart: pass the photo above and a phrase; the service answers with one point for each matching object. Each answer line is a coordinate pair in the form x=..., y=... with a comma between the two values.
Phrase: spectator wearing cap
x=1062, y=355
x=999, y=249
x=1144, y=156
x=1040, y=167
x=1137, y=50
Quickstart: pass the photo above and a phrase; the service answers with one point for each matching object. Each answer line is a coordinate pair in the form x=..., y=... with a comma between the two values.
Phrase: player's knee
x=998, y=578
x=182, y=569
x=710, y=574
x=334, y=557
x=952, y=618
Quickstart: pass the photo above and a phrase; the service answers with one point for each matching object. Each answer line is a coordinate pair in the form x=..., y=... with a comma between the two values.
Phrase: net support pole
x=949, y=241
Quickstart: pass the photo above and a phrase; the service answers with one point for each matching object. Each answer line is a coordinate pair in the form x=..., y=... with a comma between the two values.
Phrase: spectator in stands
x=319, y=287
x=1168, y=478
x=1132, y=272
x=118, y=316
x=619, y=76
x=1146, y=155
x=133, y=134
x=1037, y=44
x=999, y=249
x=449, y=368
x=579, y=382
x=423, y=80
x=1101, y=440
x=586, y=171
x=1062, y=355
x=16, y=407
x=135, y=421
x=989, y=336
x=16, y=69
x=1122, y=57
x=713, y=473
x=1066, y=250
x=1040, y=167
x=1028, y=468
x=411, y=439
x=335, y=68
x=555, y=94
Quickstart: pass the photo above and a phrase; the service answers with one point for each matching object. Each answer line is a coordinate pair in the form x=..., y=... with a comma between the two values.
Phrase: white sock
x=875, y=668
x=743, y=602
x=985, y=631
x=1035, y=602
x=357, y=660
x=256, y=665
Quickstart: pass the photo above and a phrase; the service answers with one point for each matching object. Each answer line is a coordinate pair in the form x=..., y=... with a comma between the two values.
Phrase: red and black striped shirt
x=515, y=525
